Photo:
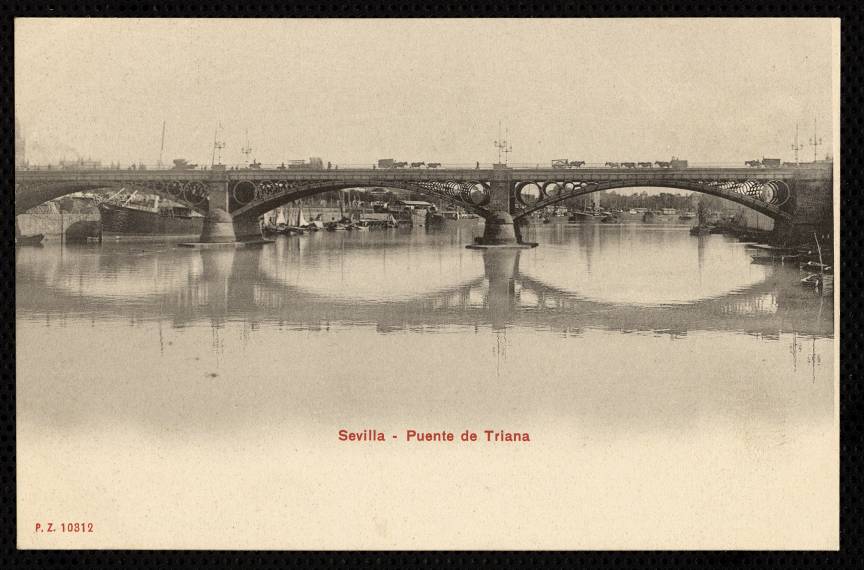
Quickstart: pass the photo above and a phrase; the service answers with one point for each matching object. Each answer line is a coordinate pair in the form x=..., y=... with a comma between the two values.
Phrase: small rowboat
x=771, y=259
x=816, y=266
x=819, y=281
x=29, y=240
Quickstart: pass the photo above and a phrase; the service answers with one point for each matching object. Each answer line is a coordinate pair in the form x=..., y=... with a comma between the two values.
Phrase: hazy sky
x=353, y=91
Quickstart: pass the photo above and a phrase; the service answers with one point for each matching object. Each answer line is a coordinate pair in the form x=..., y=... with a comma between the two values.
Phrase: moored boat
x=336, y=227
x=763, y=259
x=702, y=227
x=149, y=220
x=816, y=266
x=821, y=282
x=35, y=239
x=582, y=216
x=771, y=259
x=435, y=219
x=300, y=225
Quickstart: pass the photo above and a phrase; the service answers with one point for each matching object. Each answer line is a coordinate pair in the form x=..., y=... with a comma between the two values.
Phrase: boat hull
x=35, y=239
x=577, y=217
x=123, y=222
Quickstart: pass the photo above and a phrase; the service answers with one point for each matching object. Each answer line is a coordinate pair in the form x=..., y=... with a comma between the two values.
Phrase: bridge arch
x=190, y=193
x=727, y=189
x=269, y=196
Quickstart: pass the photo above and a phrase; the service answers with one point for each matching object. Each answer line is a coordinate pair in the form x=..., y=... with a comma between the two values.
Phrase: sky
x=354, y=91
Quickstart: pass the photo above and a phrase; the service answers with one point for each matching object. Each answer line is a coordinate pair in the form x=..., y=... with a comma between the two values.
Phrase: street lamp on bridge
x=503, y=145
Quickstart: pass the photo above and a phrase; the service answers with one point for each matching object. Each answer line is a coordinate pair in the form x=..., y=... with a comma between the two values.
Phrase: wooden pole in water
x=819, y=251
x=821, y=283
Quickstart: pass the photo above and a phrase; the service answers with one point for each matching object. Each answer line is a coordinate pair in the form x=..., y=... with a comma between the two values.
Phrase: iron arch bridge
x=793, y=195
x=248, y=196
x=766, y=197
x=189, y=192
x=254, y=198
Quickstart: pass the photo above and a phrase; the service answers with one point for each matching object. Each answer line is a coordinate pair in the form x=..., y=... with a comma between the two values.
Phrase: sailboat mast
x=497, y=143
x=247, y=150
x=796, y=147
x=819, y=251
x=815, y=142
x=217, y=145
x=162, y=146
x=213, y=158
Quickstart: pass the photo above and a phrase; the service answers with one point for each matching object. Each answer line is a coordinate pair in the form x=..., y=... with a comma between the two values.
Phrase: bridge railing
x=369, y=166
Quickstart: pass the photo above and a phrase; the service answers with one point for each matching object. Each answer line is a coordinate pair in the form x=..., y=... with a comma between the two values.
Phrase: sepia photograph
x=427, y=284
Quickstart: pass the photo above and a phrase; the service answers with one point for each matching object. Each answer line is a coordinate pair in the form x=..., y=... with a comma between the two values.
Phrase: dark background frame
x=850, y=237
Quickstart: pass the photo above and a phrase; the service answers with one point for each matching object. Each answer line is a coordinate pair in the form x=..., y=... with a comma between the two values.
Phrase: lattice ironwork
x=467, y=194
x=250, y=195
x=191, y=193
x=764, y=196
x=256, y=197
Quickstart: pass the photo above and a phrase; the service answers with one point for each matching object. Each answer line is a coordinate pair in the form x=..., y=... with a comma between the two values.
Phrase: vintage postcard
x=427, y=283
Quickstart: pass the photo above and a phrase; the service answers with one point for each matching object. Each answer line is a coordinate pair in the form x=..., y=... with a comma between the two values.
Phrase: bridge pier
x=220, y=227
x=811, y=209
x=794, y=233
x=218, y=223
x=500, y=231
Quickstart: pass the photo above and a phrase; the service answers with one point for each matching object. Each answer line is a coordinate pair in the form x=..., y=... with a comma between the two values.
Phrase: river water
x=675, y=394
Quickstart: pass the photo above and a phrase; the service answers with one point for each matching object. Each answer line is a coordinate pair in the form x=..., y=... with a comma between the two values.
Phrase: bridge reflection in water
x=711, y=396
x=301, y=283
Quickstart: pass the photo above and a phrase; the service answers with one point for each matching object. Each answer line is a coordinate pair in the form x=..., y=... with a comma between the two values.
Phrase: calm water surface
x=676, y=394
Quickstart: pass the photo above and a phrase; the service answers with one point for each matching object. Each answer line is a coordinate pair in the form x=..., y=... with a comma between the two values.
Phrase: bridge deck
x=363, y=175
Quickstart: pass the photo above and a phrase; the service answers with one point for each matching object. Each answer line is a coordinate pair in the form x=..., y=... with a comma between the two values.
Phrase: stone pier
x=221, y=228
x=500, y=231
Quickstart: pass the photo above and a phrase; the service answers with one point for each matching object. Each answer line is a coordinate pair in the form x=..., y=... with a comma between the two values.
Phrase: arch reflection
x=496, y=289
